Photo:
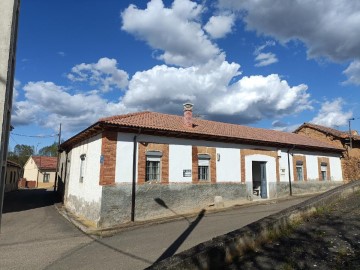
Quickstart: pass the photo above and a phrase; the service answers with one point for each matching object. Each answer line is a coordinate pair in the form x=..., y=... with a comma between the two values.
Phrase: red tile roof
x=327, y=130
x=160, y=123
x=45, y=163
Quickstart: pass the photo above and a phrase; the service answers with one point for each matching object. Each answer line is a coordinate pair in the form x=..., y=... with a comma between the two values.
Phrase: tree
x=49, y=151
x=21, y=154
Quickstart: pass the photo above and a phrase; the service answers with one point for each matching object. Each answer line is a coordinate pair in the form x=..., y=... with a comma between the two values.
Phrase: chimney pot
x=188, y=115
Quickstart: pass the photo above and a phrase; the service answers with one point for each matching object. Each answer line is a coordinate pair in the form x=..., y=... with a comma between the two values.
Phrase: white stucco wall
x=124, y=158
x=228, y=167
x=284, y=165
x=89, y=191
x=180, y=158
x=312, y=167
x=335, y=168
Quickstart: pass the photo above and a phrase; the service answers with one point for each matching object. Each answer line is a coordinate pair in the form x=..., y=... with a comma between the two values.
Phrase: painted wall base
x=158, y=201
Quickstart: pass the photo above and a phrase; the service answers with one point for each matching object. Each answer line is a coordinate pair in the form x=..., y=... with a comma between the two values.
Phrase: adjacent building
x=348, y=141
x=147, y=165
x=40, y=171
x=13, y=174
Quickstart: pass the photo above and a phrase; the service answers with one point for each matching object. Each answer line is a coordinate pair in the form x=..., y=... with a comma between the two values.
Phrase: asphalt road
x=35, y=236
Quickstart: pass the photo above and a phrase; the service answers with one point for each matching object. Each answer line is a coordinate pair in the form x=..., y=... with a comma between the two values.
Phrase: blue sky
x=270, y=64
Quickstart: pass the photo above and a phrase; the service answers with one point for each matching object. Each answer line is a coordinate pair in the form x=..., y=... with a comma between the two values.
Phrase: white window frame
x=153, y=166
x=323, y=171
x=204, y=167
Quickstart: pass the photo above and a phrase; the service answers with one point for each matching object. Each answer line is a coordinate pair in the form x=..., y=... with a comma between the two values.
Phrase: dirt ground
x=329, y=240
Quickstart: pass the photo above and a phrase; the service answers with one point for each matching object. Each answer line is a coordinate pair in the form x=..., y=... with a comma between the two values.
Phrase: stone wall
x=158, y=200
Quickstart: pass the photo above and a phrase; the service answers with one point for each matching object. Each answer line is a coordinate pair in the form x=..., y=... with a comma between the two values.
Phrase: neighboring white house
x=40, y=171
x=147, y=165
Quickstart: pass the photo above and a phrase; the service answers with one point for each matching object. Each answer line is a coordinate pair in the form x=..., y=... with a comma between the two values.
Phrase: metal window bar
x=203, y=172
x=152, y=170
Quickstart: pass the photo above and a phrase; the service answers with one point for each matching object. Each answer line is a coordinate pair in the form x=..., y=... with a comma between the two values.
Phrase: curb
x=109, y=231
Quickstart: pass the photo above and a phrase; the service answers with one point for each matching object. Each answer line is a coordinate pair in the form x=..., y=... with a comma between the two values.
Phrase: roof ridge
x=122, y=116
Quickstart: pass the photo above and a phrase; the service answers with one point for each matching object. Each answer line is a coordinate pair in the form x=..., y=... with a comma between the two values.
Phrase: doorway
x=259, y=179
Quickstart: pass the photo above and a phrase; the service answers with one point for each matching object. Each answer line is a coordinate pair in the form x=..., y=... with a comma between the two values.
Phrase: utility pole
x=58, y=158
x=8, y=36
x=350, y=133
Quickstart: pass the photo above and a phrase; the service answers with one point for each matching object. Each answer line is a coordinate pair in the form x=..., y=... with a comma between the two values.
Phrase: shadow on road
x=26, y=199
x=171, y=250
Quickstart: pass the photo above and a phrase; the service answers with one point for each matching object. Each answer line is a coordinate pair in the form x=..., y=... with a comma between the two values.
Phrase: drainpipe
x=288, y=153
x=133, y=190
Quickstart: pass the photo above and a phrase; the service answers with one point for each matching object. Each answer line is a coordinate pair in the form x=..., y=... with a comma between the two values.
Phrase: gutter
x=288, y=154
x=133, y=188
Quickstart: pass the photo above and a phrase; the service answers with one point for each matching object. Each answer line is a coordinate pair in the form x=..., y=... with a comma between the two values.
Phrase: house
x=13, y=174
x=148, y=165
x=349, y=142
x=40, y=171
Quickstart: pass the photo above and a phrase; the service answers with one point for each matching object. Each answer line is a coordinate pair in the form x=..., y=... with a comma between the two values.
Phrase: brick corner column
x=165, y=164
x=108, y=151
x=213, y=165
x=195, y=179
x=141, y=163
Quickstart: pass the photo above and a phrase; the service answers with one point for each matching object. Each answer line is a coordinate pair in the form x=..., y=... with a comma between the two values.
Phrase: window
x=323, y=171
x=153, y=162
x=46, y=177
x=203, y=167
x=299, y=171
x=82, y=167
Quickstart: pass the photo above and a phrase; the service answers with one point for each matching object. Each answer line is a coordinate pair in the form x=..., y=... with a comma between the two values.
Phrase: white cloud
x=62, y=54
x=214, y=88
x=176, y=31
x=208, y=86
x=104, y=74
x=263, y=58
x=17, y=84
x=219, y=26
x=48, y=105
x=327, y=27
x=353, y=73
x=331, y=114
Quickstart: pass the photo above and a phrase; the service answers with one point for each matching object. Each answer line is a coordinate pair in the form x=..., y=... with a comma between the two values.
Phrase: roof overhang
x=99, y=127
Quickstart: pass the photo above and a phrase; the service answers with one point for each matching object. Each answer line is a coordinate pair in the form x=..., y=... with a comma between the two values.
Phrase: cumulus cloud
x=103, y=74
x=331, y=114
x=176, y=31
x=48, y=105
x=214, y=87
x=327, y=27
x=219, y=26
x=249, y=99
x=353, y=73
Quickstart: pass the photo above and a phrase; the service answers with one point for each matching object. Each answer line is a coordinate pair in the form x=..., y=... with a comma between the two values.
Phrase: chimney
x=188, y=115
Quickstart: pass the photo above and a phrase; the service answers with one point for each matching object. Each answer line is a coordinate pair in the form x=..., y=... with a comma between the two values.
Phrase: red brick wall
x=303, y=159
x=328, y=171
x=211, y=151
x=164, y=148
x=108, y=150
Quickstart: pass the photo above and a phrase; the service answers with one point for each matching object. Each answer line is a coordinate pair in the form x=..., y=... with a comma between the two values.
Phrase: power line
x=36, y=136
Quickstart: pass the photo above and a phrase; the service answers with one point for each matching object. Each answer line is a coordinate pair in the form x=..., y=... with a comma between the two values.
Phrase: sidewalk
x=89, y=227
